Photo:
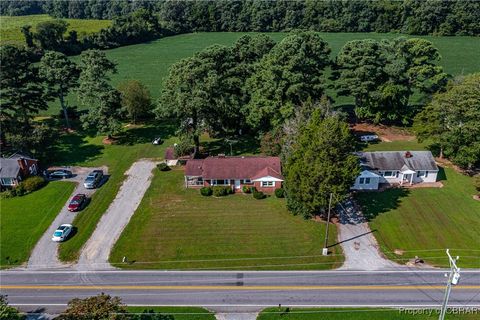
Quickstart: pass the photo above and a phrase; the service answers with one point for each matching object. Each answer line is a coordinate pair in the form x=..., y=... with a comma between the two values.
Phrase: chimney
x=408, y=154
x=22, y=163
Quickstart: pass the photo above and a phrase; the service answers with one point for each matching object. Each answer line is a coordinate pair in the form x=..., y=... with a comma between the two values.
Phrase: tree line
x=136, y=27
x=409, y=16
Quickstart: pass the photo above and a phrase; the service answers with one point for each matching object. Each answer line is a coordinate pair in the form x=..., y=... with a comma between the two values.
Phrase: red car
x=77, y=202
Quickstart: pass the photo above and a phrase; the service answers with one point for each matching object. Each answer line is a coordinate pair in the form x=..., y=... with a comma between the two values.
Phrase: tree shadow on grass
x=71, y=149
x=376, y=203
x=145, y=134
x=235, y=146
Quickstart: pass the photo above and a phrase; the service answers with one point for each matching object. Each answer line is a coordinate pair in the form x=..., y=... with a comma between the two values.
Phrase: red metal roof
x=234, y=167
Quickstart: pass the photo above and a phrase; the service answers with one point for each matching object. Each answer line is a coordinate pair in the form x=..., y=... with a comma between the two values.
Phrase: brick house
x=264, y=173
x=16, y=168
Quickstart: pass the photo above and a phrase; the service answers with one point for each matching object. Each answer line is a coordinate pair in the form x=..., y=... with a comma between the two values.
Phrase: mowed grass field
x=149, y=62
x=10, y=27
x=176, y=313
x=23, y=220
x=177, y=228
x=355, y=314
x=425, y=221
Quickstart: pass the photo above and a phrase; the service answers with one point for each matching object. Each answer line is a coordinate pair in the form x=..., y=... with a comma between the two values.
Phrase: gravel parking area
x=45, y=253
x=95, y=253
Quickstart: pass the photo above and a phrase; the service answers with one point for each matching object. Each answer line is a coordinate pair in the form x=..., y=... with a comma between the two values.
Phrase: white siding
x=373, y=185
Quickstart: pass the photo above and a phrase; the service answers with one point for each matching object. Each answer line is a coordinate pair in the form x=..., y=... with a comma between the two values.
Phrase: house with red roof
x=264, y=173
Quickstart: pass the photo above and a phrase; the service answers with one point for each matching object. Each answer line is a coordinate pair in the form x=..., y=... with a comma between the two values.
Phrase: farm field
x=10, y=26
x=180, y=229
x=353, y=314
x=149, y=62
x=23, y=220
x=83, y=150
x=425, y=221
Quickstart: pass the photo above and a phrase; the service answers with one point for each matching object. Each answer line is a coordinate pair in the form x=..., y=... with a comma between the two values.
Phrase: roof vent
x=408, y=154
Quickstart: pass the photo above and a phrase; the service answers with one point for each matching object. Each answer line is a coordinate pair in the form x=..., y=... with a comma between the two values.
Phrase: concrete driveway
x=45, y=253
x=95, y=253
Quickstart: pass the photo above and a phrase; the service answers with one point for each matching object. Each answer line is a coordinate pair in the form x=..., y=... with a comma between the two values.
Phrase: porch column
x=411, y=179
x=186, y=184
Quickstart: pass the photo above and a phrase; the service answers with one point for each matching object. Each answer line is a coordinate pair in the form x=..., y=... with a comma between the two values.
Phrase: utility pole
x=325, y=248
x=453, y=279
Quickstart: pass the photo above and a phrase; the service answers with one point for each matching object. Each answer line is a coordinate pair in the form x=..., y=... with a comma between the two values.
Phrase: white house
x=395, y=167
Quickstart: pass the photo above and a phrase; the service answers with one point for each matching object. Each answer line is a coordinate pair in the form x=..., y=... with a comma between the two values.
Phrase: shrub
x=206, y=191
x=247, y=189
x=219, y=191
x=280, y=193
x=259, y=195
x=230, y=190
x=476, y=182
x=19, y=190
x=163, y=166
x=6, y=194
x=33, y=183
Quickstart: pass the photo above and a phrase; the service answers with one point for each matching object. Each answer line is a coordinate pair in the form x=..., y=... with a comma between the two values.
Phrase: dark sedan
x=77, y=202
x=60, y=174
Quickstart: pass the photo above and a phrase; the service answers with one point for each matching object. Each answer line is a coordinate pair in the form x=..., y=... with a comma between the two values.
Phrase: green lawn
x=426, y=221
x=86, y=151
x=398, y=145
x=178, y=313
x=10, y=26
x=23, y=220
x=149, y=62
x=180, y=229
x=354, y=314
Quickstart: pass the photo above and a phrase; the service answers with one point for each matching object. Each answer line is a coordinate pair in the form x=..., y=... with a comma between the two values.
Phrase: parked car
x=369, y=137
x=61, y=174
x=77, y=202
x=93, y=179
x=62, y=232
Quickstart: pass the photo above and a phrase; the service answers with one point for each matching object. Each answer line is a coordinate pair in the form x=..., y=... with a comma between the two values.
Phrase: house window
x=422, y=174
x=247, y=181
x=364, y=180
x=220, y=182
x=8, y=181
x=268, y=183
x=389, y=174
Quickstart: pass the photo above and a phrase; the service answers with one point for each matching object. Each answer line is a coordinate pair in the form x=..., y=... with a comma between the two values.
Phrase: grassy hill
x=149, y=62
x=10, y=26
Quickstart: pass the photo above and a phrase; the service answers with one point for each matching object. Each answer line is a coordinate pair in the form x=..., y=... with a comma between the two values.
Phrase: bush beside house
x=163, y=166
x=280, y=193
x=29, y=185
x=259, y=195
x=206, y=191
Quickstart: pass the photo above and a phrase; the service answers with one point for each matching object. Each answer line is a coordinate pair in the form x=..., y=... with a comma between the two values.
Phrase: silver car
x=62, y=232
x=93, y=179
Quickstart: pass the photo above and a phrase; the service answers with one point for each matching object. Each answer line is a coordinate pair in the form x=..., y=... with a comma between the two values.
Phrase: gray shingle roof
x=396, y=160
x=9, y=168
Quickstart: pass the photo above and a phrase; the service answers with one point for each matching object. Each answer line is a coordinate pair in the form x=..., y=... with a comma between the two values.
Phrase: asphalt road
x=45, y=252
x=236, y=290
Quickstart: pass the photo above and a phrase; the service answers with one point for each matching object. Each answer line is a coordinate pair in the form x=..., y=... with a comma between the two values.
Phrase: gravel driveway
x=45, y=253
x=95, y=253
x=358, y=242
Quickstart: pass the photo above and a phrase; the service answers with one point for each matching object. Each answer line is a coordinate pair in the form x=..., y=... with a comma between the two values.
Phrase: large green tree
x=383, y=75
x=207, y=91
x=21, y=91
x=97, y=94
x=286, y=77
x=452, y=122
x=49, y=34
x=320, y=161
x=136, y=99
x=61, y=75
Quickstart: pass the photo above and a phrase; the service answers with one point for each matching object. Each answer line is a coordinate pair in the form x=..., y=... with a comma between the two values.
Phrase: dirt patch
x=385, y=133
x=476, y=197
